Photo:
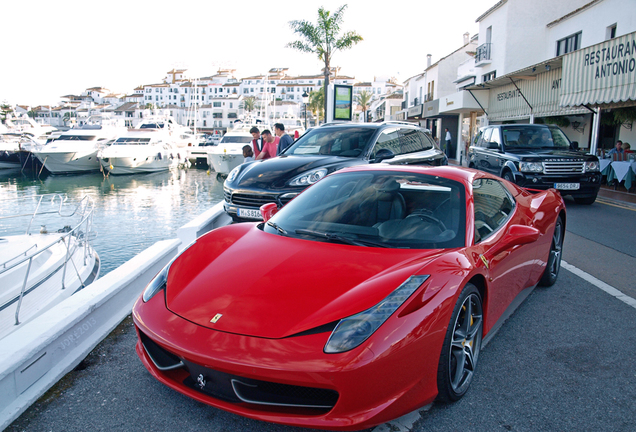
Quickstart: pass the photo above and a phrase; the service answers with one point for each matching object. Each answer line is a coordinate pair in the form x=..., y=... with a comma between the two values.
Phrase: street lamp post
x=305, y=101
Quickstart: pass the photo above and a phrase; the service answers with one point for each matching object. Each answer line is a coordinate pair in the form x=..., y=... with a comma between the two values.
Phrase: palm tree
x=317, y=105
x=364, y=100
x=322, y=39
x=249, y=103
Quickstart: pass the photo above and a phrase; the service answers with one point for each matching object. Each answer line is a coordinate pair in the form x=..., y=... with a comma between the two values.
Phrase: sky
x=51, y=49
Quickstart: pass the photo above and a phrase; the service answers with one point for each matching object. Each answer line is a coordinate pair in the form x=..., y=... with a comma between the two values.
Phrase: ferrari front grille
x=563, y=167
x=161, y=358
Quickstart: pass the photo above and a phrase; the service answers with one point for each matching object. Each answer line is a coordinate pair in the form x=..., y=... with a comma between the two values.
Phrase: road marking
x=405, y=423
x=600, y=284
x=622, y=206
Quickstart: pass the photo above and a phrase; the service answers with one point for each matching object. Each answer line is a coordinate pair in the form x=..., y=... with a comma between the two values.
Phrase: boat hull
x=224, y=163
x=49, y=280
x=68, y=162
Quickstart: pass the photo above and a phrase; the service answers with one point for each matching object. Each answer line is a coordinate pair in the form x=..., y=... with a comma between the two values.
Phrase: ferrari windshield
x=342, y=141
x=534, y=137
x=377, y=209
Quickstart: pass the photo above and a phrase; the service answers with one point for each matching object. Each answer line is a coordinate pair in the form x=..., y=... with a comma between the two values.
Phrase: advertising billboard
x=343, y=102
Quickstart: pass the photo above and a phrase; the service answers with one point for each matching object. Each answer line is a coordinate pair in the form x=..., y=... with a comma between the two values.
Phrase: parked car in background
x=537, y=156
x=321, y=151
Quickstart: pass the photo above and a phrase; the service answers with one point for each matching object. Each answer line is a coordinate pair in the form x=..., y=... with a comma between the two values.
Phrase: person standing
x=269, y=146
x=284, y=140
x=258, y=142
x=448, y=141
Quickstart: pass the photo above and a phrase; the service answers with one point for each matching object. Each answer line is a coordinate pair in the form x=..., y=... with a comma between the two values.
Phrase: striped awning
x=604, y=73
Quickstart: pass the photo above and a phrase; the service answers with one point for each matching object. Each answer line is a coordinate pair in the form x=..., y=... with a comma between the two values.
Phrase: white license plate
x=567, y=186
x=249, y=213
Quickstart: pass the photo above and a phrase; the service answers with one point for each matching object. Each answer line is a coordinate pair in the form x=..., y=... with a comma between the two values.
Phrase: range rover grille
x=563, y=167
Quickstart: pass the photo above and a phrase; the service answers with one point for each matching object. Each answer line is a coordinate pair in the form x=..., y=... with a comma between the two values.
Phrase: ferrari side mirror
x=268, y=210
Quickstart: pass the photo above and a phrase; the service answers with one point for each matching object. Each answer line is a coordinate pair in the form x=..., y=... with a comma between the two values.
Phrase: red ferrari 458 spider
x=364, y=298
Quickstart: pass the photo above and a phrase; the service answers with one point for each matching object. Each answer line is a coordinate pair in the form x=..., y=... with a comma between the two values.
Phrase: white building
x=520, y=64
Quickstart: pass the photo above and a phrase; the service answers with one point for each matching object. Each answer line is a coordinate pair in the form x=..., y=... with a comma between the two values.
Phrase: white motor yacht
x=228, y=154
x=18, y=138
x=75, y=150
x=142, y=151
x=39, y=270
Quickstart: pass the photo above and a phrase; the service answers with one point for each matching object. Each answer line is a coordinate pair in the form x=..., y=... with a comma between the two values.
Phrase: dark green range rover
x=537, y=157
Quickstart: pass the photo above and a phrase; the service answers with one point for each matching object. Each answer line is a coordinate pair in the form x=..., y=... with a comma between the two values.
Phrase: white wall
x=593, y=23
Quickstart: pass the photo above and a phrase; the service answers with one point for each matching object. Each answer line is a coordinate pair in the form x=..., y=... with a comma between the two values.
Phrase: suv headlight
x=308, y=178
x=533, y=167
x=352, y=331
x=232, y=175
x=591, y=166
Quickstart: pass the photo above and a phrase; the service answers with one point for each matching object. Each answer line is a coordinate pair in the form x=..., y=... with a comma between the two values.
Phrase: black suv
x=537, y=157
x=319, y=152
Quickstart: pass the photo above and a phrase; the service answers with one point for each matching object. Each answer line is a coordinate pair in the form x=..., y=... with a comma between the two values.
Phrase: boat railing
x=83, y=232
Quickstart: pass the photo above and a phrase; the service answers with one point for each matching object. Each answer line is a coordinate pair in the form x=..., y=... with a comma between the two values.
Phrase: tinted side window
x=494, y=138
x=477, y=137
x=493, y=207
x=388, y=139
x=410, y=141
x=426, y=140
x=485, y=138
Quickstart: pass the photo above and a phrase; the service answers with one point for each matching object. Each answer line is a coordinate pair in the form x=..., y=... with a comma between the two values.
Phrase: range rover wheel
x=585, y=201
x=509, y=177
x=462, y=346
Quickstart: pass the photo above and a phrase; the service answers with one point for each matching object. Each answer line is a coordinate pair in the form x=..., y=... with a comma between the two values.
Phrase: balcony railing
x=482, y=56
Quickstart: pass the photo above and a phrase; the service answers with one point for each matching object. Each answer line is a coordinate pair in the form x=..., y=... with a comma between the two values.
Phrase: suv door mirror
x=492, y=146
x=383, y=154
x=575, y=145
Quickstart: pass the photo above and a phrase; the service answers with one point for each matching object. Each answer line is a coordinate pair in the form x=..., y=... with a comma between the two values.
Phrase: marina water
x=132, y=212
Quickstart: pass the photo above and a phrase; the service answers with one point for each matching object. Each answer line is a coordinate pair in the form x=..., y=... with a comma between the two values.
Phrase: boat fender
x=159, y=156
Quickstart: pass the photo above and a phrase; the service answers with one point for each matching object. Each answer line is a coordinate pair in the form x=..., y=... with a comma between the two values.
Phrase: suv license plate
x=249, y=213
x=567, y=186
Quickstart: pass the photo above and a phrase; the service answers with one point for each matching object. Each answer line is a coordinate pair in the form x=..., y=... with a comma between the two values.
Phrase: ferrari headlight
x=232, y=175
x=308, y=178
x=591, y=166
x=352, y=331
x=533, y=167
x=157, y=284
x=160, y=281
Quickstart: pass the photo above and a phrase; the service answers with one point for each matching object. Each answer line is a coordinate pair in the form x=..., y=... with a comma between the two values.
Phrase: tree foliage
x=364, y=100
x=323, y=38
x=316, y=104
x=249, y=103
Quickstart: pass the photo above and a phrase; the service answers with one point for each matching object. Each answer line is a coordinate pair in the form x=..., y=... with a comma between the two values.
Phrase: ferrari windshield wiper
x=338, y=237
x=278, y=228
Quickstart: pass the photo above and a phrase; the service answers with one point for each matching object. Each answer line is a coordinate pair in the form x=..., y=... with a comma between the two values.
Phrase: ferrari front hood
x=241, y=280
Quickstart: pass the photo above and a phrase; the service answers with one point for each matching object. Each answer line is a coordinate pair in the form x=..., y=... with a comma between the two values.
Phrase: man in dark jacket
x=284, y=139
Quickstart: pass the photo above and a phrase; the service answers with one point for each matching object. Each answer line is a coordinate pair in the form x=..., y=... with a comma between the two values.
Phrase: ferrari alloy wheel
x=551, y=271
x=461, y=346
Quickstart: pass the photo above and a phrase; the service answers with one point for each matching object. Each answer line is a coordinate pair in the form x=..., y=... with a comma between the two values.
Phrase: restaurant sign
x=601, y=73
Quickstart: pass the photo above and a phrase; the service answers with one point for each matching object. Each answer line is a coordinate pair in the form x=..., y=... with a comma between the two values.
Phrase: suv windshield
x=348, y=142
x=377, y=208
x=534, y=137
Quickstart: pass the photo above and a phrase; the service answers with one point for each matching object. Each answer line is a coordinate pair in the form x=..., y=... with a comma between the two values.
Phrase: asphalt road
x=563, y=361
